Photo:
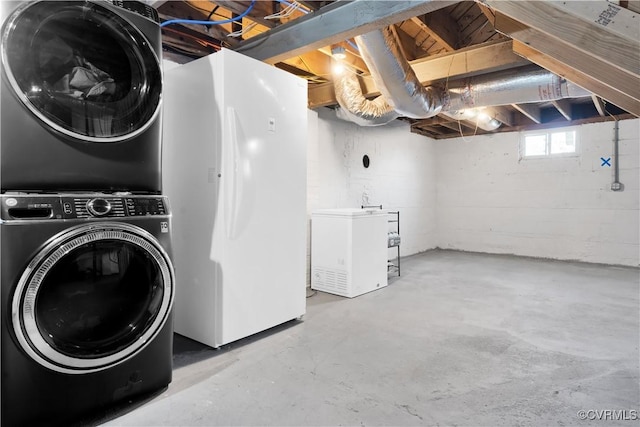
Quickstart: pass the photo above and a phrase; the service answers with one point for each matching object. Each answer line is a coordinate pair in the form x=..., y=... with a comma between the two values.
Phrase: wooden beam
x=401, y=45
x=456, y=126
x=311, y=5
x=564, y=107
x=480, y=59
x=503, y=114
x=562, y=123
x=475, y=60
x=331, y=24
x=599, y=77
x=488, y=12
x=593, y=80
x=599, y=104
x=633, y=5
x=532, y=111
x=433, y=121
x=256, y=14
x=314, y=63
x=323, y=95
x=602, y=39
x=441, y=27
x=408, y=45
x=352, y=60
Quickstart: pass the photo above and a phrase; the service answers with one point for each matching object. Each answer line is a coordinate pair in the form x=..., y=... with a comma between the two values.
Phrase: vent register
x=331, y=280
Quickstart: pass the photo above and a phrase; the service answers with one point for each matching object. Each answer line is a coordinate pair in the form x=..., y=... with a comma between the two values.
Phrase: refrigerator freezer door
x=260, y=241
x=234, y=161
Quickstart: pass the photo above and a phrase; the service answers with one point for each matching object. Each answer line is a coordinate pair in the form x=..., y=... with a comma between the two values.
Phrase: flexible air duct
x=516, y=86
x=354, y=107
x=402, y=90
x=394, y=77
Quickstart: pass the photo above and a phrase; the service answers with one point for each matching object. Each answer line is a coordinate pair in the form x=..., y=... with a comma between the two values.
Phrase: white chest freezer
x=349, y=251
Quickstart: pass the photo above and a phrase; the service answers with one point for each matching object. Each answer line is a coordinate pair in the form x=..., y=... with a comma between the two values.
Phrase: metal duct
x=395, y=78
x=402, y=90
x=516, y=86
x=354, y=107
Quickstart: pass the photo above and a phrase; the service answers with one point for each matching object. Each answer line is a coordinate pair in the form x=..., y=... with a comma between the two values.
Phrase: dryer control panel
x=50, y=207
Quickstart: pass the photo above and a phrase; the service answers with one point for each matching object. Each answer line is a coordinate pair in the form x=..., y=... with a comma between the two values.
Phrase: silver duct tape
x=518, y=86
x=355, y=107
x=395, y=78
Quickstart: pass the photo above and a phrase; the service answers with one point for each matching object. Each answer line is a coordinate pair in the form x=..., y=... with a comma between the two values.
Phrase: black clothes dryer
x=87, y=293
x=80, y=96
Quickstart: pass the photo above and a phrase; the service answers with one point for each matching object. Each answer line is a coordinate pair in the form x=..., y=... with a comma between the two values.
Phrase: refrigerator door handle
x=234, y=181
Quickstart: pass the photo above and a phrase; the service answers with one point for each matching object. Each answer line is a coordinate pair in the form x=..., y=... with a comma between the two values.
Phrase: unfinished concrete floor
x=459, y=339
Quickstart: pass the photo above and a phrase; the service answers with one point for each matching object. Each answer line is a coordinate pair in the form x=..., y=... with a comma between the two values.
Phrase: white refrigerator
x=234, y=169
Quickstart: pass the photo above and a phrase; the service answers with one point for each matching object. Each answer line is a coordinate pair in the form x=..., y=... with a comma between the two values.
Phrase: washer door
x=82, y=69
x=93, y=297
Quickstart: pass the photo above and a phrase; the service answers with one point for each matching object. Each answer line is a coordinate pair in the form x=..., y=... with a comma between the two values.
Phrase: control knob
x=98, y=207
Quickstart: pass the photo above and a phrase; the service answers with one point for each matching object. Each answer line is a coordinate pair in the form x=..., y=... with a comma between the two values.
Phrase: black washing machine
x=87, y=293
x=80, y=96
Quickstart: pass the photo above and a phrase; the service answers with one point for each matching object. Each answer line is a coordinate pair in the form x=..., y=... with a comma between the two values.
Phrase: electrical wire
x=224, y=21
x=294, y=5
x=284, y=13
x=244, y=30
x=303, y=10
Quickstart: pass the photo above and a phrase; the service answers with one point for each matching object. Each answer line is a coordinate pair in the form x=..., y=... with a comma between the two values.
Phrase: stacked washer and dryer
x=87, y=279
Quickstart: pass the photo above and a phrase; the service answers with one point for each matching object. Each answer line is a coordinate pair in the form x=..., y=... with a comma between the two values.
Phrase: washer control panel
x=145, y=206
x=72, y=206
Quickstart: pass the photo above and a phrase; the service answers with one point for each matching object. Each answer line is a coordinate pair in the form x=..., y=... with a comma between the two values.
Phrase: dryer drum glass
x=82, y=69
x=99, y=299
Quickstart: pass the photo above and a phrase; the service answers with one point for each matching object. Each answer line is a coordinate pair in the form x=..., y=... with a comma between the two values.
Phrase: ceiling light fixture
x=338, y=52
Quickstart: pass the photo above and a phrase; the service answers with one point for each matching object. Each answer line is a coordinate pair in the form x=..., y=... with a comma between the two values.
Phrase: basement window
x=552, y=143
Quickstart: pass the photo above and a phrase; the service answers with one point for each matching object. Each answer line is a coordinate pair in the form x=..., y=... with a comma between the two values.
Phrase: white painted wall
x=401, y=176
x=475, y=194
x=490, y=201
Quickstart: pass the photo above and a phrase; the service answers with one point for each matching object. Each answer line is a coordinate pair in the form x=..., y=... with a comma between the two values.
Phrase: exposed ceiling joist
x=633, y=5
x=595, y=52
x=332, y=24
x=564, y=107
x=441, y=27
x=594, y=74
x=409, y=45
x=432, y=121
x=480, y=59
x=568, y=69
x=352, y=60
x=502, y=114
x=599, y=104
x=311, y=5
x=529, y=110
x=578, y=24
x=257, y=13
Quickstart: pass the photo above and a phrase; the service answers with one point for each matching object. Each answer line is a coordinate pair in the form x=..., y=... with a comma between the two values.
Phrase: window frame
x=547, y=133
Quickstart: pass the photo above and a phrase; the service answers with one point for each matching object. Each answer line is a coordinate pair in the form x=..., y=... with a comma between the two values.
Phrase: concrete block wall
x=401, y=175
x=475, y=193
x=491, y=201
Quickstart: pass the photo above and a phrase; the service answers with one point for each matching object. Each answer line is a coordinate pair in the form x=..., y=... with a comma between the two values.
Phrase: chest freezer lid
x=348, y=212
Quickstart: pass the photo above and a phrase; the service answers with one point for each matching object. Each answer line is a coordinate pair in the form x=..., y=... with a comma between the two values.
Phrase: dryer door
x=93, y=297
x=82, y=69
